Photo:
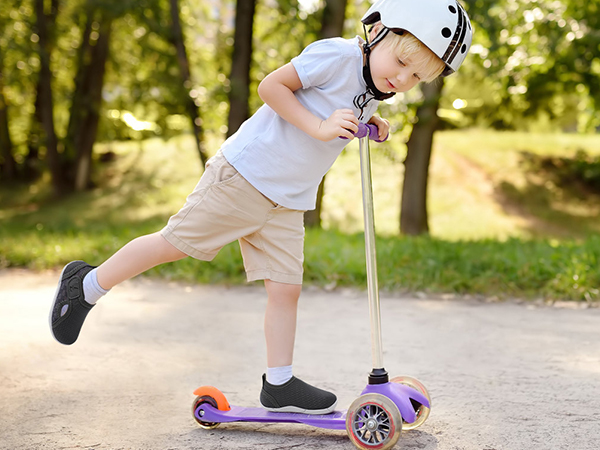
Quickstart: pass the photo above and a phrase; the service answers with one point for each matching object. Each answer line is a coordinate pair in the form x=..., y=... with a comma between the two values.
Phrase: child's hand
x=341, y=123
x=383, y=127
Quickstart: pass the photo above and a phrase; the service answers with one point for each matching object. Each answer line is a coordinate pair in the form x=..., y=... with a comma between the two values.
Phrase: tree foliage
x=534, y=63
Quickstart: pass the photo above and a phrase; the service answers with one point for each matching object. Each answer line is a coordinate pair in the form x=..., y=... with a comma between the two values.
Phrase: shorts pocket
x=225, y=173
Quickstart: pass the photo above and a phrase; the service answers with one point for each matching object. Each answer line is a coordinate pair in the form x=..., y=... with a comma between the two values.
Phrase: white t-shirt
x=282, y=162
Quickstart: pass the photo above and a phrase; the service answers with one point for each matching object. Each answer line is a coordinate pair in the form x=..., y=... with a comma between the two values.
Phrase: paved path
x=501, y=375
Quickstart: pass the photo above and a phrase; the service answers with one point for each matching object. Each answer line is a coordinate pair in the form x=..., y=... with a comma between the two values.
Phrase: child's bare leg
x=286, y=393
x=136, y=257
x=80, y=285
x=280, y=322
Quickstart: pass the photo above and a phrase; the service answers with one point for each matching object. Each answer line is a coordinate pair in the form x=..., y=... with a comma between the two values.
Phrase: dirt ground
x=501, y=375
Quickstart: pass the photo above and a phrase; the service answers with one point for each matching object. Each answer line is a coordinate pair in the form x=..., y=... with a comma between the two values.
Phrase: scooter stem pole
x=373, y=292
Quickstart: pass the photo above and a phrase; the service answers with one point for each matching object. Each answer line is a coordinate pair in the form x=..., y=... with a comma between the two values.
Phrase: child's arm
x=277, y=91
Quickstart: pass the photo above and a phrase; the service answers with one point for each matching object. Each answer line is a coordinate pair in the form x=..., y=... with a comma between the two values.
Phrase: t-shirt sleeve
x=319, y=62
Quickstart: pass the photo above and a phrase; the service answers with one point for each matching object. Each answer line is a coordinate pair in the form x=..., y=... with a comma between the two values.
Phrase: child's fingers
x=383, y=129
x=346, y=134
x=342, y=123
x=383, y=133
x=351, y=126
x=352, y=118
x=348, y=114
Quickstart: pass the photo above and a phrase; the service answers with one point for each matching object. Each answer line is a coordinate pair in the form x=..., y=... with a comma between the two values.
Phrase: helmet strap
x=367, y=47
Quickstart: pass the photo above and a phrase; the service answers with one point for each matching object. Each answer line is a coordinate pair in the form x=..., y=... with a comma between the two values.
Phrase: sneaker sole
x=54, y=303
x=295, y=409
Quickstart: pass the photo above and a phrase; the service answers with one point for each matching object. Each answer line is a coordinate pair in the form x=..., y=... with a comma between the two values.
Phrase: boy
x=258, y=185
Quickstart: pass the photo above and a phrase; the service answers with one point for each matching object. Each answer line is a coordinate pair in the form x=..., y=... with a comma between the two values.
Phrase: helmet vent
x=457, y=39
x=446, y=32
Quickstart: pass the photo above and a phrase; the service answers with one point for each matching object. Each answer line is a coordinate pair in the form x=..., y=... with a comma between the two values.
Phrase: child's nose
x=403, y=76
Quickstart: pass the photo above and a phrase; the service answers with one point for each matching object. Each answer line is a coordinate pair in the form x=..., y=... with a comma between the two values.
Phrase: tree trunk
x=7, y=161
x=92, y=83
x=45, y=103
x=413, y=213
x=79, y=95
x=332, y=25
x=32, y=165
x=184, y=68
x=240, y=65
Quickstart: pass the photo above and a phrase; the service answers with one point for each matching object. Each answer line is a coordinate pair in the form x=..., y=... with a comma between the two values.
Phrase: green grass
x=518, y=268
x=496, y=229
x=478, y=188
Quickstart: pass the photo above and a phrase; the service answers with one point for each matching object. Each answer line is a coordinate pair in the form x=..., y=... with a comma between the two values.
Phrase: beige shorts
x=224, y=207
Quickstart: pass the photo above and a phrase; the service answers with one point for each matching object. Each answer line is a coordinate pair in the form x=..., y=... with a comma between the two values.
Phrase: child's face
x=393, y=72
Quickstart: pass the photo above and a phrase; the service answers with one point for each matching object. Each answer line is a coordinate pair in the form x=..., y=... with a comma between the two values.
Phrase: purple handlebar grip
x=367, y=129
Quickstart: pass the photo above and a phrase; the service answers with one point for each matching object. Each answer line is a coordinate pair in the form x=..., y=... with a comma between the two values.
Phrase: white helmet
x=442, y=25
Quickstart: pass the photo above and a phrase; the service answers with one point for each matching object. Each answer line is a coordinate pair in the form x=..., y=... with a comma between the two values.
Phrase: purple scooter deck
x=333, y=421
x=398, y=393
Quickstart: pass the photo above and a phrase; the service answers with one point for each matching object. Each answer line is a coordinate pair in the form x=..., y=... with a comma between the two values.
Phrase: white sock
x=279, y=375
x=92, y=291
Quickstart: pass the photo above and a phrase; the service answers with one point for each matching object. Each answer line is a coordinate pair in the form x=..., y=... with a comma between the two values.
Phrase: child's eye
x=401, y=62
x=417, y=76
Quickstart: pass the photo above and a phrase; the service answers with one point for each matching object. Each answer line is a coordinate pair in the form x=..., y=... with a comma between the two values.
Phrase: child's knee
x=164, y=249
x=172, y=253
x=283, y=291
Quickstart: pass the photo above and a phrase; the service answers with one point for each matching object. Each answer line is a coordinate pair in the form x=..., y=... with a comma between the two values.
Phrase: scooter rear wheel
x=373, y=421
x=212, y=396
x=198, y=402
x=422, y=411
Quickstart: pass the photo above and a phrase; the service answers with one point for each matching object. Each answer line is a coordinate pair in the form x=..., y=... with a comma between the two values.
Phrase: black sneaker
x=296, y=396
x=69, y=308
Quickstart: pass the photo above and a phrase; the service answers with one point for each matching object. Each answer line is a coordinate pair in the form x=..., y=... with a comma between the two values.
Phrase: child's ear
x=374, y=31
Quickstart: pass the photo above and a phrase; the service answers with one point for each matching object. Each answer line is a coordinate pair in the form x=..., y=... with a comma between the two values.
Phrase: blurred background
x=489, y=185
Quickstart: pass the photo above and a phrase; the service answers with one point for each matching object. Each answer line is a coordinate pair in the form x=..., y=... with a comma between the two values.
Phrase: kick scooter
x=385, y=407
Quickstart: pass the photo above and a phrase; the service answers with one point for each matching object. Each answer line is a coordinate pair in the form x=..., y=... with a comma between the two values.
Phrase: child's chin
x=385, y=88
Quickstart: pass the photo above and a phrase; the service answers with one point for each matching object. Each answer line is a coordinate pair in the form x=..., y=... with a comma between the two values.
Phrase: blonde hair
x=406, y=45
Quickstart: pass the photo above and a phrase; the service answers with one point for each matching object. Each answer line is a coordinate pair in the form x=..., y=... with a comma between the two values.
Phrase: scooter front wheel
x=373, y=421
x=421, y=411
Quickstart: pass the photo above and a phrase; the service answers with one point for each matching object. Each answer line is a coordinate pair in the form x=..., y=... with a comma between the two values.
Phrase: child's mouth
x=390, y=86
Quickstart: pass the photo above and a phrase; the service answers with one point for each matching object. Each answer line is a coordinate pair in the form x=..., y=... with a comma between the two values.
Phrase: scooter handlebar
x=368, y=129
